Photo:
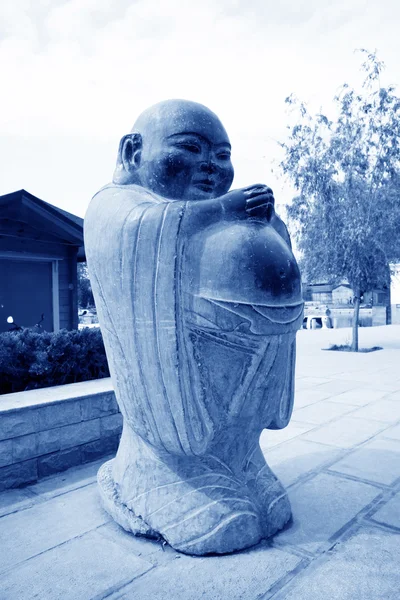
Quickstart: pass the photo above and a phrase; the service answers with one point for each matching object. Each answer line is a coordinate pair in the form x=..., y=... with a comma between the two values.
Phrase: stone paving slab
x=243, y=576
x=155, y=552
x=322, y=412
x=345, y=432
x=298, y=457
x=337, y=386
x=45, y=525
x=392, y=433
x=364, y=567
x=83, y=568
x=13, y=500
x=359, y=396
x=385, y=410
x=308, y=396
x=376, y=461
x=321, y=507
x=373, y=380
x=309, y=382
x=389, y=514
x=69, y=480
x=270, y=437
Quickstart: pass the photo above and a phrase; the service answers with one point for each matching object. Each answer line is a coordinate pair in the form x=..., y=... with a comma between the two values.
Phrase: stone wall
x=49, y=430
x=379, y=316
x=396, y=314
x=369, y=317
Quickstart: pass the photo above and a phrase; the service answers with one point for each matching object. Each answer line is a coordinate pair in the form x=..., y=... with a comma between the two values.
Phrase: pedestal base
x=111, y=501
x=233, y=530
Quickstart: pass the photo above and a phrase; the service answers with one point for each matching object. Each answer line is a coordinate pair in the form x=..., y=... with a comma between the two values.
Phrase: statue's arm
x=235, y=205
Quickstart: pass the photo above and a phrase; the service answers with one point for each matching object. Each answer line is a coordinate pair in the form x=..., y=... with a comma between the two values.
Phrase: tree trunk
x=356, y=314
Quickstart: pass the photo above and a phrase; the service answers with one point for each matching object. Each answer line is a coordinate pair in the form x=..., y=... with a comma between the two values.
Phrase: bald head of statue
x=177, y=149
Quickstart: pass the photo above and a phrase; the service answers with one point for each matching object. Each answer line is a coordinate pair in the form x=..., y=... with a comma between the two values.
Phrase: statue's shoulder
x=112, y=209
x=124, y=193
x=114, y=202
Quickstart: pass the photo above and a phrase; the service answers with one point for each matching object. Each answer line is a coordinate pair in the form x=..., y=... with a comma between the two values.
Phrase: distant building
x=40, y=246
x=339, y=299
x=318, y=292
x=342, y=294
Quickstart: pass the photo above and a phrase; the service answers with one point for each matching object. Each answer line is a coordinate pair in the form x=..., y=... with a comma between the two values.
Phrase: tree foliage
x=85, y=294
x=346, y=172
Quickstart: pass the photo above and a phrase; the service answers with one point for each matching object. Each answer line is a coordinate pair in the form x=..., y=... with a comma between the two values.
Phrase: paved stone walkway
x=339, y=458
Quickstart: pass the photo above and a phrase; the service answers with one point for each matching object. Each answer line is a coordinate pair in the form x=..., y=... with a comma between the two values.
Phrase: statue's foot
x=210, y=518
x=276, y=511
x=270, y=496
x=112, y=503
x=203, y=514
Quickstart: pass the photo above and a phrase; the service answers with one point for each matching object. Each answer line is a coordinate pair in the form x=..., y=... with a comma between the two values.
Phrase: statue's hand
x=255, y=200
x=260, y=201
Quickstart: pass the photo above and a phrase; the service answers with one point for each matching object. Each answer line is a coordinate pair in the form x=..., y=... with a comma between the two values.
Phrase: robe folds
x=184, y=364
x=133, y=250
x=199, y=317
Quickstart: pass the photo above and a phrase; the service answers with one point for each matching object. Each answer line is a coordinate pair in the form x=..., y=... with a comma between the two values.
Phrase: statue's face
x=186, y=155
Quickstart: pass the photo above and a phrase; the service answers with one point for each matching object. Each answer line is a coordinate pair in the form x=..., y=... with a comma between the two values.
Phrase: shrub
x=348, y=348
x=31, y=359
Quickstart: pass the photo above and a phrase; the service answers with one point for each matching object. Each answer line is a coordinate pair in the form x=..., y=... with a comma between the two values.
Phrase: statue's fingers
x=254, y=185
x=261, y=204
x=256, y=188
x=264, y=209
x=260, y=199
x=255, y=191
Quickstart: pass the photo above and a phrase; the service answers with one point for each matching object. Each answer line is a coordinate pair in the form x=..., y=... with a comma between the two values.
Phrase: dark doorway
x=26, y=292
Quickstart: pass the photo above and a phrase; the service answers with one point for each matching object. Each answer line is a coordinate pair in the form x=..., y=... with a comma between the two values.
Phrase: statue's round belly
x=245, y=262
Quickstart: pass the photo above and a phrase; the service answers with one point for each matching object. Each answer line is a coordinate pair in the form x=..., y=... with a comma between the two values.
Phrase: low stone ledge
x=111, y=424
x=58, y=393
x=5, y=453
x=19, y=422
x=52, y=429
x=18, y=475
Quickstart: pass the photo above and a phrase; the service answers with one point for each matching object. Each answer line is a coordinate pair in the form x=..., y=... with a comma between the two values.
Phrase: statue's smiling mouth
x=206, y=185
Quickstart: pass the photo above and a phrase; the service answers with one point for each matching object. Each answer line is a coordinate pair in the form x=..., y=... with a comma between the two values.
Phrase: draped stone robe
x=134, y=254
x=201, y=350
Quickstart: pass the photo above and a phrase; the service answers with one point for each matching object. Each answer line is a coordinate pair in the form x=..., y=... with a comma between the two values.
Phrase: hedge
x=31, y=359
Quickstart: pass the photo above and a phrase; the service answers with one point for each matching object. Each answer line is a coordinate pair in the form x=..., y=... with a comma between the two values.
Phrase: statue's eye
x=194, y=148
x=224, y=155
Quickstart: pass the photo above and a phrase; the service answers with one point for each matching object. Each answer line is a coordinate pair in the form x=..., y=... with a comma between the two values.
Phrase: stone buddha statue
x=199, y=299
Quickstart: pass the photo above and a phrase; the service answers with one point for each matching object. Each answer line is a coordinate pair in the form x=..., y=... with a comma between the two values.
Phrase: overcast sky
x=75, y=74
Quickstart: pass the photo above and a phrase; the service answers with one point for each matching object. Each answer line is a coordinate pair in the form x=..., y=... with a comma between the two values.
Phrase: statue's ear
x=130, y=150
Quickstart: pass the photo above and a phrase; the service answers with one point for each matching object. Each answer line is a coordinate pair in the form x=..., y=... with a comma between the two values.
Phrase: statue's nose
x=208, y=166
